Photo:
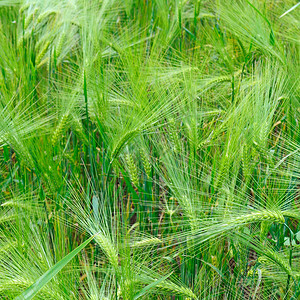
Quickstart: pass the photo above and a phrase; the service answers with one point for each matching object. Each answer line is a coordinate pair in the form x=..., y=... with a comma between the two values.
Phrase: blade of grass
x=150, y=286
x=289, y=10
x=44, y=279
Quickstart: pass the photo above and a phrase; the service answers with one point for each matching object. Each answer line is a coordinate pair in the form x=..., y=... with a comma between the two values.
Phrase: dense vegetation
x=149, y=149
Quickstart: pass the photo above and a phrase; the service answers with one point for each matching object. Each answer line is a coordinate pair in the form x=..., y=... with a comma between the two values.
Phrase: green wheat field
x=149, y=149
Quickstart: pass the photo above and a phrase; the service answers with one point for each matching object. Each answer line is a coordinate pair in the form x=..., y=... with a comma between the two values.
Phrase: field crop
x=149, y=149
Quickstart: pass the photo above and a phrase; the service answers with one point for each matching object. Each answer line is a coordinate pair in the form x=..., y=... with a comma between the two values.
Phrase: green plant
x=149, y=149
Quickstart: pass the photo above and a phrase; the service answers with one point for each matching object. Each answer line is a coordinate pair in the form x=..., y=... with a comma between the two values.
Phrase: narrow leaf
x=150, y=286
x=215, y=268
x=288, y=11
x=44, y=279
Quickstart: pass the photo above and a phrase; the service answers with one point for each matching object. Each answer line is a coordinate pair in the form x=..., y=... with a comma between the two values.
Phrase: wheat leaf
x=45, y=278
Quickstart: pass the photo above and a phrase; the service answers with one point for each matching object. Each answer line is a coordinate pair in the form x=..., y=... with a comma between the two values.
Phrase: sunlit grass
x=149, y=149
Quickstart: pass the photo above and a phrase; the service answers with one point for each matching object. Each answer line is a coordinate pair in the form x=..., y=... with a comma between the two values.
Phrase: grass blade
x=44, y=279
x=150, y=286
x=289, y=10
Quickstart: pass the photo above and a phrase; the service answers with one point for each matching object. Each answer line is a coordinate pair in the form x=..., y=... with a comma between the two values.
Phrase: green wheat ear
x=59, y=129
x=46, y=14
x=42, y=53
x=24, y=7
x=28, y=20
x=146, y=162
x=132, y=169
x=122, y=142
x=222, y=172
x=60, y=43
x=266, y=215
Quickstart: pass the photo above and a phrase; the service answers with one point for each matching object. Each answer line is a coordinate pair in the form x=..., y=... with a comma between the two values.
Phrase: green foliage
x=149, y=149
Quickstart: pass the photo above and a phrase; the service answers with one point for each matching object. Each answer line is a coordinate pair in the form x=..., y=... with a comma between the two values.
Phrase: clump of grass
x=149, y=149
